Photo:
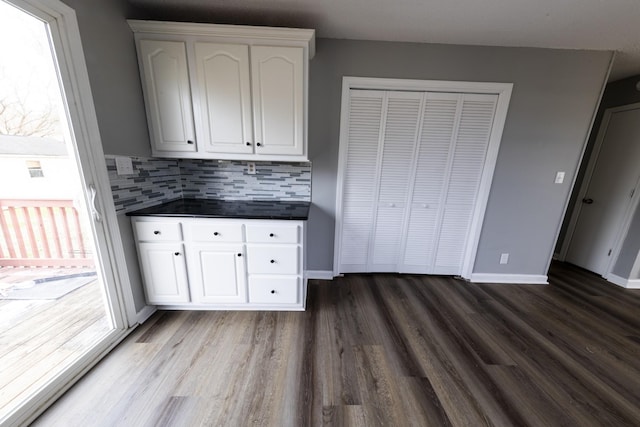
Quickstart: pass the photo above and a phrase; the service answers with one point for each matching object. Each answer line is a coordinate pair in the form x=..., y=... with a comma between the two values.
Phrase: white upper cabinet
x=225, y=91
x=168, y=96
x=278, y=96
x=224, y=97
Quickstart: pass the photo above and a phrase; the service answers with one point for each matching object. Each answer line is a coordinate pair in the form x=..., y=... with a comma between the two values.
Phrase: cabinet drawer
x=215, y=231
x=261, y=233
x=268, y=259
x=158, y=231
x=276, y=290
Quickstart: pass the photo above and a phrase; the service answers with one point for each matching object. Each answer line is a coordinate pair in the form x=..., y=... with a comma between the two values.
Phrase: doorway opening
x=608, y=200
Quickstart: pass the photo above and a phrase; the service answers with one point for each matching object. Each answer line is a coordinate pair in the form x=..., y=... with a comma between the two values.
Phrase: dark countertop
x=212, y=208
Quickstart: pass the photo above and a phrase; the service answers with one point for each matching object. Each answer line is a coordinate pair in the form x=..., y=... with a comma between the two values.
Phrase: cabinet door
x=217, y=273
x=167, y=95
x=224, y=97
x=164, y=272
x=278, y=99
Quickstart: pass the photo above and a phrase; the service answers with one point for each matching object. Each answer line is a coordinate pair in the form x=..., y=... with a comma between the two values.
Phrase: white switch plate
x=251, y=168
x=559, y=178
x=504, y=258
x=124, y=166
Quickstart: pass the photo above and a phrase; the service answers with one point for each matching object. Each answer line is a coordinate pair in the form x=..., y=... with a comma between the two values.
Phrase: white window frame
x=502, y=90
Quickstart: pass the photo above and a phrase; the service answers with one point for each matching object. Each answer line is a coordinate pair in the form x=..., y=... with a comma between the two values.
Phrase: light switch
x=124, y=166
x=559, y=178
x=504, y=258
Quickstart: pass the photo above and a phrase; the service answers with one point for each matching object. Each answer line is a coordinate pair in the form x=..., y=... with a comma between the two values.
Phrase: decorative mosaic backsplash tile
x=156, y=181
x=229, y=180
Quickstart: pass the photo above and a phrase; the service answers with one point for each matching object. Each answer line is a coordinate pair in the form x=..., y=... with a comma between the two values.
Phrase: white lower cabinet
x=217, y=273
x=274, y=290
x=218, y=264
x=164, y=272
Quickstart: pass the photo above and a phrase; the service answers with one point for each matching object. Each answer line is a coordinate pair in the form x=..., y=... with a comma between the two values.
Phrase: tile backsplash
x=230, y=180
x=157, y=180
x=153, y=181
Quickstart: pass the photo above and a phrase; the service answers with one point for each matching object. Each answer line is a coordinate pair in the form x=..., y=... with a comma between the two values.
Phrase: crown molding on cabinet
x=246, y=33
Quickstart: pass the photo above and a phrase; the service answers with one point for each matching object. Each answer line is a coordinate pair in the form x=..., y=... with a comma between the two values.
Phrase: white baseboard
x=622, y=282
x=145, y=313
x=516, y=279
x=319, y=274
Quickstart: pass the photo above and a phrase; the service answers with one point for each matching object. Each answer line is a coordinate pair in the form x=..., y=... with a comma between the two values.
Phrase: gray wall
x=111, y=60
x=554, y=98
x=621, y=92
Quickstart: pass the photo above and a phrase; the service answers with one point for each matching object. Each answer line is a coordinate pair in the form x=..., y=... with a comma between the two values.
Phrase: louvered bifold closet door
x=359, y=179
x=396, y=173
x=440, y=117
x=469, y=151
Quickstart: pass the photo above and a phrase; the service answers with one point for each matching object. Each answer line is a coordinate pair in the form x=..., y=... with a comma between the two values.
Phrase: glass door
x=60, y=308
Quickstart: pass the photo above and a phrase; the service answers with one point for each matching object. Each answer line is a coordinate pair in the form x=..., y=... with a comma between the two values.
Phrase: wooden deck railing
x=42, y=233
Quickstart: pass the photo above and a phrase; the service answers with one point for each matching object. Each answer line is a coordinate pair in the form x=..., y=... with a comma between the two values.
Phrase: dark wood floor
x=381, y=350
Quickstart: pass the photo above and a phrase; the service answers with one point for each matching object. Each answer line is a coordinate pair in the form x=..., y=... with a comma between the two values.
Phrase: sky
x=26, y=65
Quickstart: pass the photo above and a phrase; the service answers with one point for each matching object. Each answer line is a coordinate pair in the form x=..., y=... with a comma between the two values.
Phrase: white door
x=395, y=174
x=609, y=192
x=61, y=215
x=217, y=273
x=223, y=94
x=165, y=273
x=168, y=95
x=358, y=168
x=278, y=99
x=440, y=118
x=411, y=172
x=467, y=153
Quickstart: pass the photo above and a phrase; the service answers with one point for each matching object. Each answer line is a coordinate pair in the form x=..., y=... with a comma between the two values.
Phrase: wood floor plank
x=384, y=349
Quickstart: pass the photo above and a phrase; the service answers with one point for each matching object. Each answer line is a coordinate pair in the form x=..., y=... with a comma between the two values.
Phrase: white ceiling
x=566, y=24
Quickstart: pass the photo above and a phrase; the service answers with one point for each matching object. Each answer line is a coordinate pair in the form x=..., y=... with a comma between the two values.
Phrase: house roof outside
x=12, y=145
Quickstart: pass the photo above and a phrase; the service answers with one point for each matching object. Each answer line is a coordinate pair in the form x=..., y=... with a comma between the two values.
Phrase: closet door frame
x=502, y=90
